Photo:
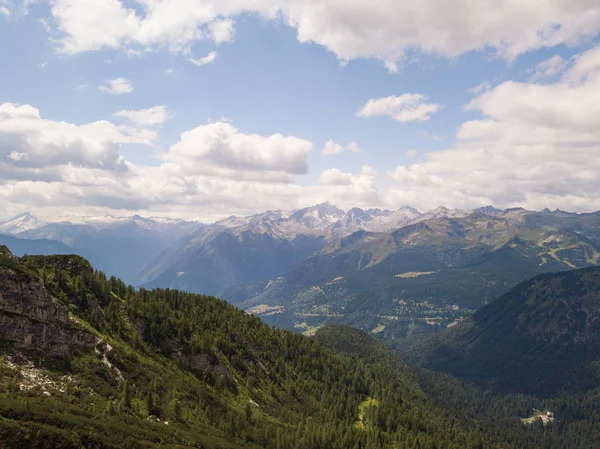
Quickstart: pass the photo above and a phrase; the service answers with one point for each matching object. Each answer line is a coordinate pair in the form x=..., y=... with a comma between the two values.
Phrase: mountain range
x=424, y=276
x=176, y=253
x=119, y=246
x=392, y=273
x=236, y=250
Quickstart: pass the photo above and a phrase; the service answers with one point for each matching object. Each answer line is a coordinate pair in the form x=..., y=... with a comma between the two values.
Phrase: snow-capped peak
x=319, y=215
x=21, y=223
x=87, y=220
x=444, y=212
x=489, y=210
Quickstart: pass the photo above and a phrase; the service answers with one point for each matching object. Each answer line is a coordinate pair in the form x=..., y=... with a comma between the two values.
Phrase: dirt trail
x=106, y=349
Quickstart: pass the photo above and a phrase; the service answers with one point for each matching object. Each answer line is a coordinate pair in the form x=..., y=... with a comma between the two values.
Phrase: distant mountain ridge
x=241, y=250
x=210, y=258
x=41, y=247
x=231, y=251
x=323, y=219
x=20, y=223
x=425, y=275
x=312, y=219
x=166, y=251
x=120, y=246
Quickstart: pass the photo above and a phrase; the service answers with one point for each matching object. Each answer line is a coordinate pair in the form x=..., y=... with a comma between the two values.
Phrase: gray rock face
x=199, y=362
x=30, y=319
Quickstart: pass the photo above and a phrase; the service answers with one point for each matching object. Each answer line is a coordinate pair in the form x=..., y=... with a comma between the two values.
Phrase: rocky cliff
x=29, y=317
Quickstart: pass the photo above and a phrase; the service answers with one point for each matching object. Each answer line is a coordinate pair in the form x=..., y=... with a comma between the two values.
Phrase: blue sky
x=283, y=74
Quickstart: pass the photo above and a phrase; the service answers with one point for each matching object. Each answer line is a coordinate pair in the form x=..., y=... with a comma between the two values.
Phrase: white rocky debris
x=104, y=348
x=31, y=377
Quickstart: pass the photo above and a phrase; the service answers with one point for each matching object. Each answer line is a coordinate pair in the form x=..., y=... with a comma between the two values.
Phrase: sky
x=205, y=109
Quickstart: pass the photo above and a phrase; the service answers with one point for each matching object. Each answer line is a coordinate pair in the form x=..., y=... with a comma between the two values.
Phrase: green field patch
x=545, y=417
x=362, y=422
x=414, y=274
x=307, y=329
x=378, y=329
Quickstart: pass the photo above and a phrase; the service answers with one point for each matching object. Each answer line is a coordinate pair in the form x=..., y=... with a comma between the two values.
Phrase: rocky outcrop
x=29, y=317
x=200, y=362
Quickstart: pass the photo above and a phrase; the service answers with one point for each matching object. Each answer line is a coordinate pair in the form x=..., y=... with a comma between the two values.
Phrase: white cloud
x=482, y=87
x=222, y=146
x=369, y=171
x=16, y=156
x=346, y=189
x=416, y=176
x=44, y=23
x=58, y=167
x=90, y=25
x=154, y=116
x=332, y=148
x=384, y=29
x=353, y=147
x=392, y=66
x=351, y=29
x=585, y=65
x=412, y=153
x=31, y=145
x=117, y=86
x=403, y=108
x=208, y=59
x=222, y=31
x=537, y=145
x=549, y=68
x=12, y=111
x=335, y=177
x=6, y=7
x=335, y=148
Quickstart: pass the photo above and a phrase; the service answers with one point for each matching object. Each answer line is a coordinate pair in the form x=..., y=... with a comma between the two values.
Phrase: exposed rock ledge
x=29, y=316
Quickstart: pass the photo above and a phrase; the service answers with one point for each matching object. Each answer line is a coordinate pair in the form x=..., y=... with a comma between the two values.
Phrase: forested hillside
x=170, y=369
x=90, y=362
x=541, y=338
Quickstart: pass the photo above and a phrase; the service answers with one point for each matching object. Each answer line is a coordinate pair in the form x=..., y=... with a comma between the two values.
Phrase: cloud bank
x=536, y=145
x=351, y=29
